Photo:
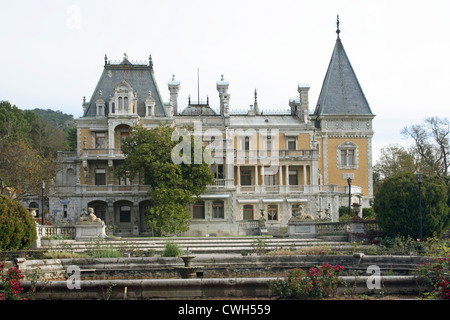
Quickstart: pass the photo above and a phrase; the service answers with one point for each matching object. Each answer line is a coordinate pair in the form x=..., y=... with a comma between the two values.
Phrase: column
x=287, y=175
x=280, y=175
x=304, y=175
x=262, y=176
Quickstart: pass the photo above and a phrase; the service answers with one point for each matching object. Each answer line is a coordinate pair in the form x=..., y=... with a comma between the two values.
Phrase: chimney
x=174, y=87
x=303, y=109
x=222, y=87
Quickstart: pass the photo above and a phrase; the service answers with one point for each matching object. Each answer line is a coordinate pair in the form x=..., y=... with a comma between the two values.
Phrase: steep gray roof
x=139, y=76
x=341, y=92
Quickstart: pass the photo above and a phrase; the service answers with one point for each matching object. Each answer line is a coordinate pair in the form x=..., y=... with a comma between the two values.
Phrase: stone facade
x=267, y=165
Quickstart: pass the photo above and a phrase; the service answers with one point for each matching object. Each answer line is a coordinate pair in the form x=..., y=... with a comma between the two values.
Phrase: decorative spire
x=255, y=105
x=150, y=61
x=106, y=60
x=337, y=27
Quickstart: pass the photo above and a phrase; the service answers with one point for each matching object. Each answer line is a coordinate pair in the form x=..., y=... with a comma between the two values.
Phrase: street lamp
x=42, y=188
x=419, y=179
x=349, y=180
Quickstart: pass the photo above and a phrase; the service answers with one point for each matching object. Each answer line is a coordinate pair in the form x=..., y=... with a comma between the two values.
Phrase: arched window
x=247, y=144
x=218, y=210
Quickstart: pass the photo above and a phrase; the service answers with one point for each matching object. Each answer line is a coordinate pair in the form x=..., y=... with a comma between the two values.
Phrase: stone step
x=198, y=245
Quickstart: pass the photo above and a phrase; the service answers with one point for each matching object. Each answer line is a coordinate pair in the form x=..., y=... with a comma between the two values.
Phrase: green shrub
x=397, y=206
x=317, y=283
x=106, y=253
x=17, y=226
x=171, y=249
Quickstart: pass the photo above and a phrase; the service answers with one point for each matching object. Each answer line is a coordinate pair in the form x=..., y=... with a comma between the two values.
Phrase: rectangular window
x=291, y=144
x=247, y=144
x=246, y=176
x=348, y=157
x=199, y=210
x=217, y=170
x=218, y=210
x=343, y=158
x=100, y=140
x=269, y=179
x=269, y=143
x=100, y=177
x=125, y=214
x=248, y=212
x=64, y=211
x=272, y=212
x=293, y=177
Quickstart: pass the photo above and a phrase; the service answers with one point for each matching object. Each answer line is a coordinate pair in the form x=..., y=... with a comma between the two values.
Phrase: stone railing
x=48, y=231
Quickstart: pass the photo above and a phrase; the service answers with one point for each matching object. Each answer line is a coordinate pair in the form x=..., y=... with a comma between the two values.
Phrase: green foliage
x=435, y=275
x=397, y=206
x=343, y=214
x=171, y=249
x=13, y=126
x=17, y=227
x=369, y=213
x=57, y=118
x=71, y=139
x=173, y=186
x=259, y=246
x=28, y=147
x=319, y=282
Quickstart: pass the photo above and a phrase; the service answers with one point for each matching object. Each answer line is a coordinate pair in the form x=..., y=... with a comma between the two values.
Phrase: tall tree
x=397, y=205
x=431, y=144
x=173, y=187
x=13, y=125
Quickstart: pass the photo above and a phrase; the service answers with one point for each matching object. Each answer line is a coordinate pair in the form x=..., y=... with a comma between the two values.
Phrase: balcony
x=255, y=156
x=99, y=189
x=102, y=153
x=296, y=189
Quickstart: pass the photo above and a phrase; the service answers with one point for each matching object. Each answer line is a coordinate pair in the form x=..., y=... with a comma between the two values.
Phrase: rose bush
x=319, y=282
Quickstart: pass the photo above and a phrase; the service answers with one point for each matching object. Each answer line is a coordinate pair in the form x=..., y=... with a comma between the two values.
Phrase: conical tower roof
x=341, y=93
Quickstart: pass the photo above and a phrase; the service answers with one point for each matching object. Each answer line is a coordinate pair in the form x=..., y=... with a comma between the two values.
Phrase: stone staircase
x=195, y=245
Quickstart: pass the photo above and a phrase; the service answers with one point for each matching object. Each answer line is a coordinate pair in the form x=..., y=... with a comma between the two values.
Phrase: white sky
x=52, y=52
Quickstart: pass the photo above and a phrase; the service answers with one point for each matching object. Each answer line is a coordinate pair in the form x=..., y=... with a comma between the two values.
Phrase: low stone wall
x=204, y=288
x=216, y=266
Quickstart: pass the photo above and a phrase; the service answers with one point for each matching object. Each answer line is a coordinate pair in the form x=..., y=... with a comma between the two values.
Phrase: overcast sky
x=52, y=52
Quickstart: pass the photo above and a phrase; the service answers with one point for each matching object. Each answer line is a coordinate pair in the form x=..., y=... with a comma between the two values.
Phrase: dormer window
x=124, y=99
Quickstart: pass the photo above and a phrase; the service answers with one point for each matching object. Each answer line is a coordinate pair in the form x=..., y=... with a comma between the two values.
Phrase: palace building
x=270, y=164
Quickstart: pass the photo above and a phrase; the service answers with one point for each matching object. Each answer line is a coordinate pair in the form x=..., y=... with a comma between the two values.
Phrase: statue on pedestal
x=88, y=218
x=298, y=214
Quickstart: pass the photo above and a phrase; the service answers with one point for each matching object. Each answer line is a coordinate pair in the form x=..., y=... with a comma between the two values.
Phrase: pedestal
x=90, y=231
x=302, y=229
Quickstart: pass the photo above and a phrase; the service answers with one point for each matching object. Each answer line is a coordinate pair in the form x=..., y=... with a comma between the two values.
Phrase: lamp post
x=349, y=180
x=42, y=188
x=419, y=179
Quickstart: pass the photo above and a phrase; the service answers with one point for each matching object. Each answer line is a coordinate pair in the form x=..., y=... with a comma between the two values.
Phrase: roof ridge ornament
x=337, y=27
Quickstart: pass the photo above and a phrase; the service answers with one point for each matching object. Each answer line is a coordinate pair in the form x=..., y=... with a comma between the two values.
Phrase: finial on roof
x=106, y=60
x=221, y=79
x=125, y=56
x=150, y=61
x=337, y=27
x=173, y=77
x=256, y=104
